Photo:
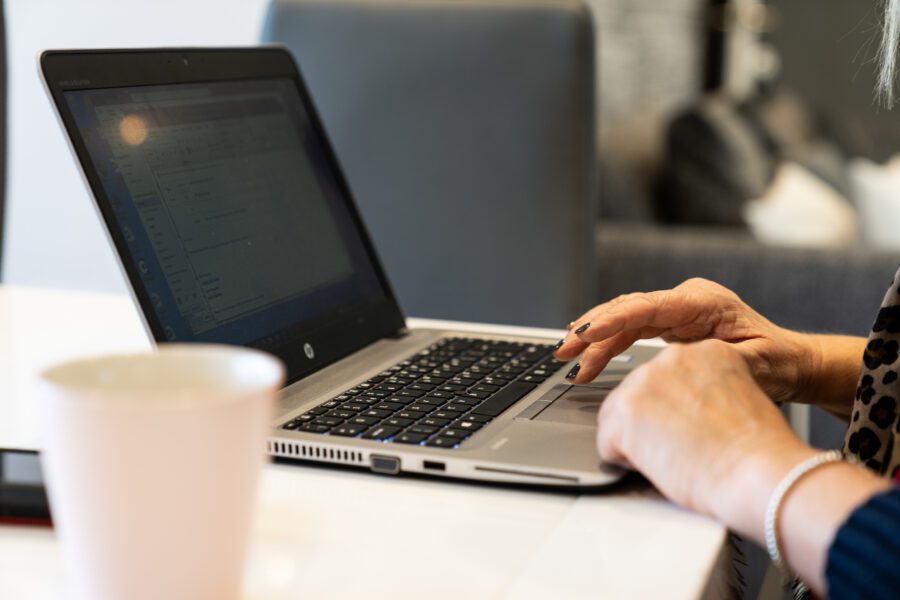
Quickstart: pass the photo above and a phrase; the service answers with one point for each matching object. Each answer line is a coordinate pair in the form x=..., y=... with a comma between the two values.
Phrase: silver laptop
x=234, y=224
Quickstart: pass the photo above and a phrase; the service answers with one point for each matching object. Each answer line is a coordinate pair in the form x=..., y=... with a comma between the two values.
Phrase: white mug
x=152, y=462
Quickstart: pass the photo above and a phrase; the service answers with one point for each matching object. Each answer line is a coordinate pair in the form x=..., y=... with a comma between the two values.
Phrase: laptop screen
x=234, y=220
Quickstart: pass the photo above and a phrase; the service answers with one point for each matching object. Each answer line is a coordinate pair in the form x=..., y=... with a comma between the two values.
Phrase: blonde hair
x=887, y=57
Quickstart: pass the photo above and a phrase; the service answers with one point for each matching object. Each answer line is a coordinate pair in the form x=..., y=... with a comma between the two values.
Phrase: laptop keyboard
x=437, y=397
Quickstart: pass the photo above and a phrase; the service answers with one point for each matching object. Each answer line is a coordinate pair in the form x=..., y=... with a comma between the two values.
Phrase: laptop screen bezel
x=66, y=70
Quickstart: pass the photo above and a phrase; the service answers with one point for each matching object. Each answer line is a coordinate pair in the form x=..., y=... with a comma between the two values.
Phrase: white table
x=322, y=532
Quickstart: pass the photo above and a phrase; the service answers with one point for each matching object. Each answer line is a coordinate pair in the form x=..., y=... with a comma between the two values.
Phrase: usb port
x=433, y=465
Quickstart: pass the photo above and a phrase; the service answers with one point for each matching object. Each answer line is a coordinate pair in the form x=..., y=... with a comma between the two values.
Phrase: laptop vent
x=314, y=452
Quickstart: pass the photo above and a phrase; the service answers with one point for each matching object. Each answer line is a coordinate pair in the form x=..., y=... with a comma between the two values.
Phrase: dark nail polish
x=583, y=328
x=571, y=374
x=559, y=344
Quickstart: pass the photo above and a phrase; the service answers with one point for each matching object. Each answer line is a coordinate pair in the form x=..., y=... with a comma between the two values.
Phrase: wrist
x=807, y=358
x=743, y=496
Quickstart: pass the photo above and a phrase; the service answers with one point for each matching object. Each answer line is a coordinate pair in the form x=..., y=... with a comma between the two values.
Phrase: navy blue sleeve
x=864, y=559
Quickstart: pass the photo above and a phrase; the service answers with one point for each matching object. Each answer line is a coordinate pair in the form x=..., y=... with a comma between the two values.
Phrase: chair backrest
x=467, y=133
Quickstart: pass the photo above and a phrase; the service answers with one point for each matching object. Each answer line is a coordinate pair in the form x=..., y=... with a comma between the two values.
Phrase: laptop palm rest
x=571, y=404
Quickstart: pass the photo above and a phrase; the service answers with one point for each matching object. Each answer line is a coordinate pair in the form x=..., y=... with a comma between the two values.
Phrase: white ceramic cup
x=152, y=462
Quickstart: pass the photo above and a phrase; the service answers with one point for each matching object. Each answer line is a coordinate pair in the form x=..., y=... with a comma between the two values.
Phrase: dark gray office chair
x=466, y=131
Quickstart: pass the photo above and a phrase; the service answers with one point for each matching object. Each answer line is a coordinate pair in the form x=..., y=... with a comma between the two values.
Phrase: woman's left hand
x=692, y=418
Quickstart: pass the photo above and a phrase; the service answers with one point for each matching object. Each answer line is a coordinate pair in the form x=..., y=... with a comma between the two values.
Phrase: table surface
x=326, y=532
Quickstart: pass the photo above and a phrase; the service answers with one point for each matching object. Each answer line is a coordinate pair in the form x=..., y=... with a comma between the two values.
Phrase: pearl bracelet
x=781, y=490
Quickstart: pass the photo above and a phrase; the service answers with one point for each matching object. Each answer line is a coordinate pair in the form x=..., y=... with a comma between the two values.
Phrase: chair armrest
x=822, y=290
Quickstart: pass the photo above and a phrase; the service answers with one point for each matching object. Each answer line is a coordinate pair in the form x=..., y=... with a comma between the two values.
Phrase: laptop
x=233, y=223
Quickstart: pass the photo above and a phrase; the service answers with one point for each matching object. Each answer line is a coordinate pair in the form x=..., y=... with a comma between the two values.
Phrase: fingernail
x=583, y=328
x=571, y=374
x=559, y=344
x=571, y=325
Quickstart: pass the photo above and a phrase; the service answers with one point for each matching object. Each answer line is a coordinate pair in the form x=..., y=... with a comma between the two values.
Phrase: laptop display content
x=204, y=180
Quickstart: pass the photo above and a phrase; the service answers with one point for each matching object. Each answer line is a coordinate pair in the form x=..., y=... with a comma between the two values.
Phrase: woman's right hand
x=780, y=360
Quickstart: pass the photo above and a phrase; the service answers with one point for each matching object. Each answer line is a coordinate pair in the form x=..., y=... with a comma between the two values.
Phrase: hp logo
x=308, y=351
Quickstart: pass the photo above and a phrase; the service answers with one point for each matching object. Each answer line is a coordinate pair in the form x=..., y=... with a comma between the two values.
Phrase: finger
x=598, y=355
x=661, y=311
x=571, y=345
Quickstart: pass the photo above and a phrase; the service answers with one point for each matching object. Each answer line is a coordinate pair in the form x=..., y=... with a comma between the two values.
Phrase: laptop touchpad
x=578, y=405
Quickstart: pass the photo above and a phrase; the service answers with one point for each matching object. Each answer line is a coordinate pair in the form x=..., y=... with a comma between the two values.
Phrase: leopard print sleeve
x=872, y=437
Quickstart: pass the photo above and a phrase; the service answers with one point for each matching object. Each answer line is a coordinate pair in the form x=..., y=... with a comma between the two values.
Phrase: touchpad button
x=577, y=406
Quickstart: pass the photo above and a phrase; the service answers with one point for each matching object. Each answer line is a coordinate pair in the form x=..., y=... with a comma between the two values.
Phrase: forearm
x=830, y=372
x=811, y=513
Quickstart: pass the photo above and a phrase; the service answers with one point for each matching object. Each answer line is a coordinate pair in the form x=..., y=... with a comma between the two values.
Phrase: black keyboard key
x=503, y=399
x=434, y=422
x=340, y=414
x=471, y=426
x=466, y=401
x=422, y=408
x=389, y=406
x=386, y=387
x=429, y=401
x=319, y=410
x=381, y=432
x=456, y=407
x=442, y=442
x=400, y=399
x=312, y=427
x=432, y=380
x=475, y=419
x=410, y=393
x=443, y=414
x=328, y=421
x=380, y=414
x=456, y=434
x=452, y=388
x=348, y=430
x=292, y=424
x=533, y=379
x=422, y=387
x=479, y=395
x=352, y=406
x=423, y=429
x=410, y=414
x=410, y=438
x=485, y=388
x=553, y=365
x=363, y=421
x=374, y=394
x=398, y=422
x=440, y=394
x=463, y=381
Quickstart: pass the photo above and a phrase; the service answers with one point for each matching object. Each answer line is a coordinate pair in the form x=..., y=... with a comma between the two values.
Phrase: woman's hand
x=781, y=361
x=688, y=419
x=695, y=423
